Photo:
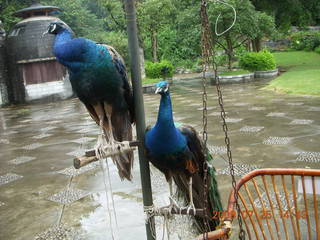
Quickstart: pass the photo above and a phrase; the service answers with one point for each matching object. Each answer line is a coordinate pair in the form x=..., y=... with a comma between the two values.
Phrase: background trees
x=170, y=29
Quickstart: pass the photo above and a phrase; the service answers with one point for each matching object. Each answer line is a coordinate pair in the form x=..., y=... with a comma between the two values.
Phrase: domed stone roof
x=35, y=9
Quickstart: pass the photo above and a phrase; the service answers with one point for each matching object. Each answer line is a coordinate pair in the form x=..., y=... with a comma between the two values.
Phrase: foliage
x=307, y=41
x=7, y=8
x=159, y=69
x=250, y=25
x=77, y=15
x=118, y=40
x=317, y=49
x=287, y=12
x=112, y=13
x=257, y=61
x=176, y=25
x=302, y=75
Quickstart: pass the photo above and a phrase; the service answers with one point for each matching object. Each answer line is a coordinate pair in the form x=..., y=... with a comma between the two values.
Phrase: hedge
x=159, y=69
x=257, y=61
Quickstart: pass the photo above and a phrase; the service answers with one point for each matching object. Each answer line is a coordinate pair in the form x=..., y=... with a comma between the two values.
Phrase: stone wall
x=58, y=89
x=3, y=69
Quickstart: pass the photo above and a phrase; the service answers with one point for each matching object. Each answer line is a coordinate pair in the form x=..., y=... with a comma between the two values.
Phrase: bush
x=159, y=69
x=257, y=61
x=307, y=41
x=317, y=49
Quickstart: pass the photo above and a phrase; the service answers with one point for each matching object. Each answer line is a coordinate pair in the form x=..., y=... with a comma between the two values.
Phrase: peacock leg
x=173, y=203
x=114, y=144
x=99, y=148
x=108, y=111
x=191, y=204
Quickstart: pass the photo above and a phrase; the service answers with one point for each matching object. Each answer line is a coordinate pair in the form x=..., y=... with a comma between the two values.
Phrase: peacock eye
x=53, y=27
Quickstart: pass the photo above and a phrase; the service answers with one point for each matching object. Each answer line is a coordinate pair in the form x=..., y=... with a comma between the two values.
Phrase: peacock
x=98, y=77
x=178, y=153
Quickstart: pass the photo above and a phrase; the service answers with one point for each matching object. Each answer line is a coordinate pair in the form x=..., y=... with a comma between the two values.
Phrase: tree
x=291, y=12
x=77, y=15
x=7, y=8
x=153, y=16
x=251, y=25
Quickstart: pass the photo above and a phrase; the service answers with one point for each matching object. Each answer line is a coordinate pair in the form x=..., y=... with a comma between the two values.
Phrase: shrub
x=159, y=69
x=257, y=61
x=305, y=40
x=317, y=49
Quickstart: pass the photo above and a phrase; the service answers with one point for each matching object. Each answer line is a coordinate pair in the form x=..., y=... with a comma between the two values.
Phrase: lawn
x=302, y=74
x=150, y=80
x=232, y=73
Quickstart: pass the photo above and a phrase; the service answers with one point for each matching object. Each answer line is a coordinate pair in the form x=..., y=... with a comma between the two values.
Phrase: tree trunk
x=256, y=44
x=154, y=46
x=229, y=50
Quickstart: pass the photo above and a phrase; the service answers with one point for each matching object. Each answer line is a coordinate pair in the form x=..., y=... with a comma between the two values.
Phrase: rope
x=107, y=198
x=100, y=152
x=151, y=211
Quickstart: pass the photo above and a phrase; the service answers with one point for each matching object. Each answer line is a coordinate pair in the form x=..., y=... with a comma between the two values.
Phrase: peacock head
x=55, y=28
x=162, y=87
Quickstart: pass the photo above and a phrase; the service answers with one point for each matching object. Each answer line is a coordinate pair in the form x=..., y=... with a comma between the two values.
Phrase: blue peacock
x=98, y=77
x=178, y=154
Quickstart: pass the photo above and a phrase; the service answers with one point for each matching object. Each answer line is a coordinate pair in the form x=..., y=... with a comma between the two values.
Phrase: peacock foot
x=173, y=204
x=100, y=146
x=191, y=208
x=106, y=148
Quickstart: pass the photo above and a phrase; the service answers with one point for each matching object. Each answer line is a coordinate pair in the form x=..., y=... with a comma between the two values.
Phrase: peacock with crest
x=98, y=77
x=179, y=153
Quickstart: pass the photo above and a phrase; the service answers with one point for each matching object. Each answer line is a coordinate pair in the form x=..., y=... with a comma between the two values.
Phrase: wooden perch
x=181, y=211
x=90, y=156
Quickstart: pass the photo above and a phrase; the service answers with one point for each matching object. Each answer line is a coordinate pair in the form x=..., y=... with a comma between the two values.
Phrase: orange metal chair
x=275, y=204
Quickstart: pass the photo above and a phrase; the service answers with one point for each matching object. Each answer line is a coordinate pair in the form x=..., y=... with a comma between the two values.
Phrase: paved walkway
x=39, y=187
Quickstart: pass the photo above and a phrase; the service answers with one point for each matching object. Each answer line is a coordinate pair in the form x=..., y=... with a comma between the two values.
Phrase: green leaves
x=160, y=69
x=257, y=61
x=77, y=15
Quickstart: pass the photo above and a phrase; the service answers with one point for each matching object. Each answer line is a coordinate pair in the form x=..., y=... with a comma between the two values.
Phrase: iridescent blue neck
x=165, y=117
x=61, y=38
x=67, y=50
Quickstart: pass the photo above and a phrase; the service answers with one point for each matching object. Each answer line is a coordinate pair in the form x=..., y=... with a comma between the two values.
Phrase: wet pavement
x=43, y=197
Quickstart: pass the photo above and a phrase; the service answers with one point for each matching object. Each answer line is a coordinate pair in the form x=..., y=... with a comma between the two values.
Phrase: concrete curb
x=241, y=78
x=266, y=74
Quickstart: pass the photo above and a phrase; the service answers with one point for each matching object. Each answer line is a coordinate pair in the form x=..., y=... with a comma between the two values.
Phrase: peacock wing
x=197, y=148
x=126, y=87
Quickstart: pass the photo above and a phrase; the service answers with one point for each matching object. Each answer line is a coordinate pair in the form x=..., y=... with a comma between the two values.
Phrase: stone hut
x=34, y=72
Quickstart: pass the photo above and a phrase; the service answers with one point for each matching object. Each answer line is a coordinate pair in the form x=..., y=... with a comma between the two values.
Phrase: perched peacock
x=98, y=77
x=178, y=154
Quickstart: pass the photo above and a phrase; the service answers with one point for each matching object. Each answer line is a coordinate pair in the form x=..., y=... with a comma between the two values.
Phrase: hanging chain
x=206, y=53
x=208, y=56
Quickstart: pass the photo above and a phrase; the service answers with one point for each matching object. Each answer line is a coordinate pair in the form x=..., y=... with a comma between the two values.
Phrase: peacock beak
x=158, y=90
x=46, y=32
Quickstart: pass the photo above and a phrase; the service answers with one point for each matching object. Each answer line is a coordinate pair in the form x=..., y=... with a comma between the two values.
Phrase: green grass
x=232, y=73
x=302, y=76
x=150, y=80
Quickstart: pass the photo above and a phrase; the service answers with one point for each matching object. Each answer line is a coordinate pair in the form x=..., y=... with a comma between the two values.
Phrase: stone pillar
x=3, y=69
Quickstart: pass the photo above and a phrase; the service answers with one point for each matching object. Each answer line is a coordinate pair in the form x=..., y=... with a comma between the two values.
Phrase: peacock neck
x=165, y=117
x=67, y=52
x=62, y=38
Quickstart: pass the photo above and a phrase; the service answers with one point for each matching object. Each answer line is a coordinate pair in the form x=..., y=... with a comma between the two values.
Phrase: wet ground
x=40, y=190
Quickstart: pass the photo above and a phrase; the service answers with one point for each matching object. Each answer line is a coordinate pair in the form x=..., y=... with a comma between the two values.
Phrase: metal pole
x=139, y=110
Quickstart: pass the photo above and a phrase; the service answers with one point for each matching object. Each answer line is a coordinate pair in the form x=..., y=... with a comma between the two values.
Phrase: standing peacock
x=178, y=154
x=98, y=77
